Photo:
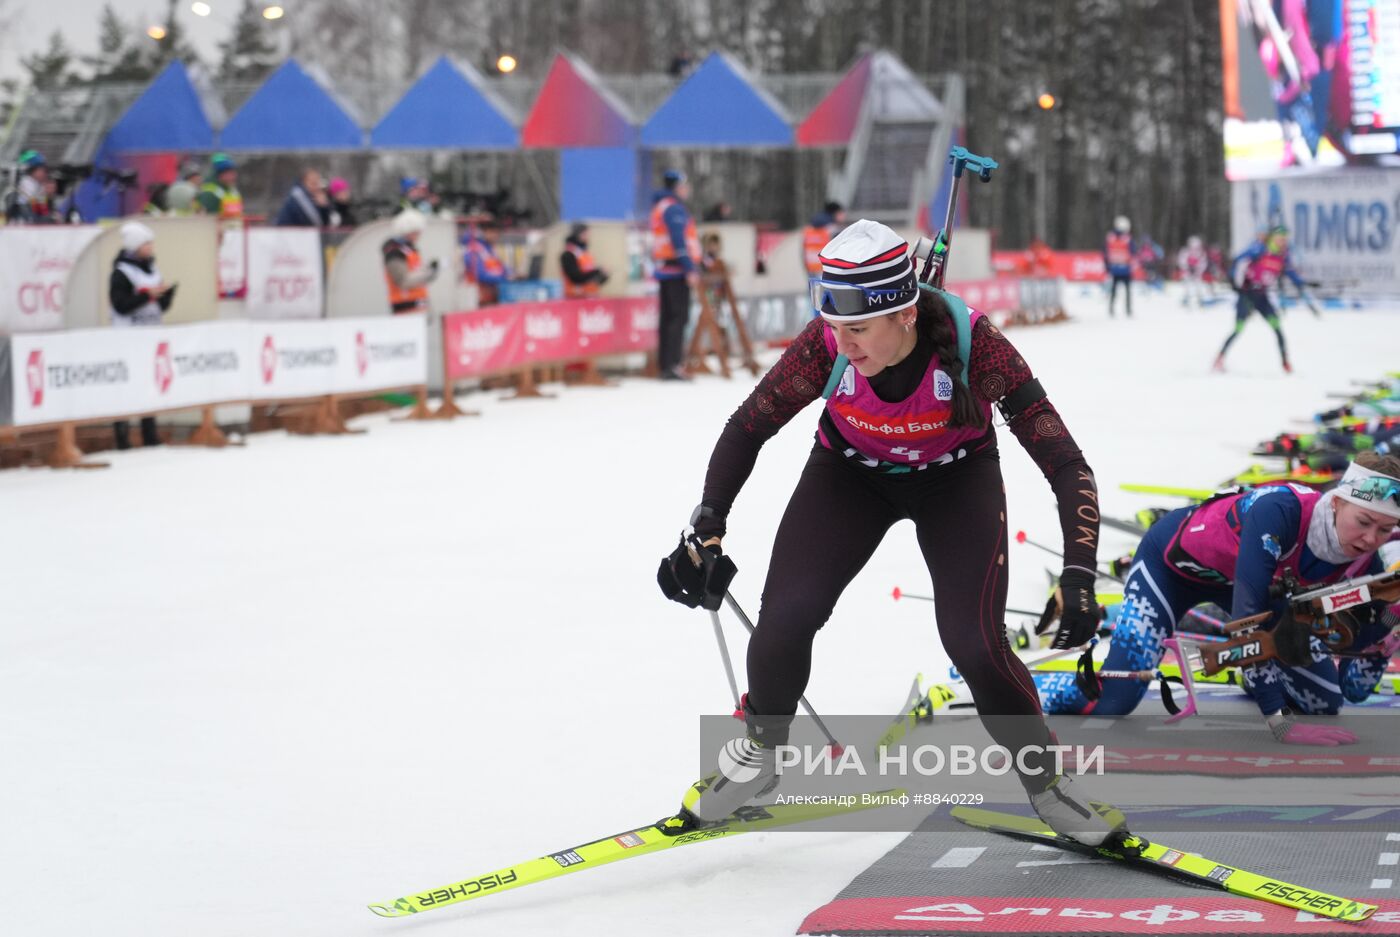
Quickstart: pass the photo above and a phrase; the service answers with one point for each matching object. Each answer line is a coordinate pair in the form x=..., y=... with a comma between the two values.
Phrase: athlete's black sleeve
x=797, y=379
x=998, y=370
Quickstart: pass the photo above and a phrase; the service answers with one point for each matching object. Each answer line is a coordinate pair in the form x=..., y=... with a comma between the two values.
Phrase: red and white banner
x=1063, y=265
x=1177, y=914
x=1002, y=294
x=285, y=273
x=92, y=374
x=233, y=259
x=498, y=338
x=34, y=265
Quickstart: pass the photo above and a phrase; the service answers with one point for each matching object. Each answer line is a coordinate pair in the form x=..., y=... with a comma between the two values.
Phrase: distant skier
x=1119, y=249
x=1192, y=264
x=1266, y=260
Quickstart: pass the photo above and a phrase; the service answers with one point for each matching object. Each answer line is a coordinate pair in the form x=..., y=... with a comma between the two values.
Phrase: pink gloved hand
x=1297, y=733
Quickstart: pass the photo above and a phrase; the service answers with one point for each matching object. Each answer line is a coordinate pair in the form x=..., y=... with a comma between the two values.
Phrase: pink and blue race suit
x=1227, y=551
x=906, y=435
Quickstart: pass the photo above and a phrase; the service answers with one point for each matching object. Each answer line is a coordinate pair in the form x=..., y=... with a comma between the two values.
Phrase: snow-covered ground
x=249, y=691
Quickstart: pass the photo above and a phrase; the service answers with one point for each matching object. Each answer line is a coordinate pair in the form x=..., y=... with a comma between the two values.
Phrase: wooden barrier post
x=208, y=432
x=329, y=420
x=65, y=452
x=448, y=409
x=420, y=409
x=525, y=386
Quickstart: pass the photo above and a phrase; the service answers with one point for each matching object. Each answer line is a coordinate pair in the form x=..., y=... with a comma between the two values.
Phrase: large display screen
x=1310, y=85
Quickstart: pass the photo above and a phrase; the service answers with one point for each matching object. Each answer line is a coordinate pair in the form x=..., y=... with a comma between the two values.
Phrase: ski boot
x=1085, y=821
x=748, y=769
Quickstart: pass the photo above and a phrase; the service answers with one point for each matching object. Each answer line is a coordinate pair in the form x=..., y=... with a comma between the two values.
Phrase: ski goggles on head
x=849, y=302
x=1376, y=489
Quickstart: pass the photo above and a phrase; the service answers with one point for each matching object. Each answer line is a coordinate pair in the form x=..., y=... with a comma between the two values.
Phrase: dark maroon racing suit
x=844, y=504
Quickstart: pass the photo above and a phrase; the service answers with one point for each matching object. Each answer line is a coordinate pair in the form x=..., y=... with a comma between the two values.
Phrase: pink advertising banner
x=498, y=338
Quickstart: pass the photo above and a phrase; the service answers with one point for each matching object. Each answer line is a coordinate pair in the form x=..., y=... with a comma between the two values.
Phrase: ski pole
x=1022, y=538
x=1200, y=616
x=728, y=665
x=901, y=594
x=1312, y=307
x=836, y=747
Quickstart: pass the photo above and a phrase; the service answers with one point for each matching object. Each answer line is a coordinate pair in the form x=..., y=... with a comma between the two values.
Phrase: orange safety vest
x=586, y=265
x=663, y=252
x=1119, y=249
x=230, y=200
x=412, y=299
x=814, y=238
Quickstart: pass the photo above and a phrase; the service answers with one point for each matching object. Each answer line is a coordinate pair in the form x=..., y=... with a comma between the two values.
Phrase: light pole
x=1047, y=103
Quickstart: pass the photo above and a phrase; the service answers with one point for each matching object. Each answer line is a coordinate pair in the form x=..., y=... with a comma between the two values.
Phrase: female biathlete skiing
x=905, y=434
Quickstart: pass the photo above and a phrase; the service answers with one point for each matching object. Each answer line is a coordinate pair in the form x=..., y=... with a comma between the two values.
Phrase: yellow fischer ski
x=1173, y=863
x=630, y=844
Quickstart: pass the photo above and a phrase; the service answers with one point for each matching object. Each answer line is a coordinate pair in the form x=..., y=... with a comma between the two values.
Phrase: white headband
x=1348, y=490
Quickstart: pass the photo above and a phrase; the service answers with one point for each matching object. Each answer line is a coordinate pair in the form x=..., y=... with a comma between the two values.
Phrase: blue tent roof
x=448, y=108
x=291, y=111
x=168, y=115
x=718, y=105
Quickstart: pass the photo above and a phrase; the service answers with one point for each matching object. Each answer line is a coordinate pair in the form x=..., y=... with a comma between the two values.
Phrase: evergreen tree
x=173, y=44
x=52, y=68
x=121, y=54
x=249, y=54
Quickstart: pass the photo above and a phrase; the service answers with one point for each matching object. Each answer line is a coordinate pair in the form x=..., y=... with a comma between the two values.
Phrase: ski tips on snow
x=667, y=833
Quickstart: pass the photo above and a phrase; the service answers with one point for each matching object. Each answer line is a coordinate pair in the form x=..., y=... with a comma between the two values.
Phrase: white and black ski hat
x=866, y=272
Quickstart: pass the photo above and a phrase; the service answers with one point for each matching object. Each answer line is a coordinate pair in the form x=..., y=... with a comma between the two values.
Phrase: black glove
x=696, y=575
x=433, y=265
x=1076, y=608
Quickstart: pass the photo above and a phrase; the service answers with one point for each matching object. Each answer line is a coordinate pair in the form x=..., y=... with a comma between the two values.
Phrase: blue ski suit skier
x=1229, y=550
x=1267, y=262
x=905, y=433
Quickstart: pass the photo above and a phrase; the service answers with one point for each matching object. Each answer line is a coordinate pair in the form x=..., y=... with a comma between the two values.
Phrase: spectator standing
x=582, y=275
x=675, y=255
x=480, y=262
x=221, y=197
x=823, y=226
x=32, y=199
x=307, y=205
x=404, y=271
x=138, y=296
x=342, y=207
